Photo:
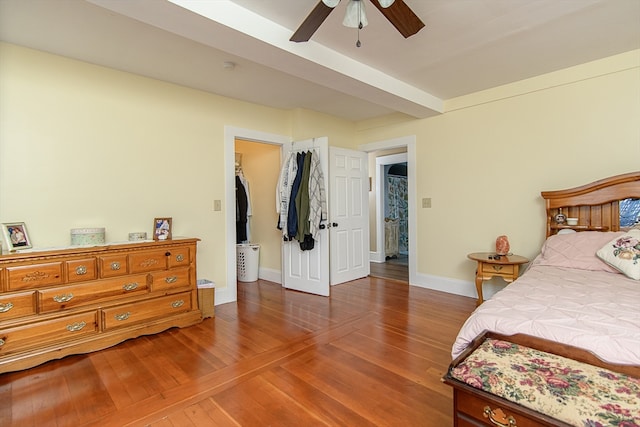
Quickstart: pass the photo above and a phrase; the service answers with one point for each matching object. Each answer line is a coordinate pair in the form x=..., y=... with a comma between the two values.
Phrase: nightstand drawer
x=507, y=269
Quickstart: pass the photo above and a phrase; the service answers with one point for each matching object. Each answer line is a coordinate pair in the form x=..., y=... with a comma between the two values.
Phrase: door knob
x=334, y=224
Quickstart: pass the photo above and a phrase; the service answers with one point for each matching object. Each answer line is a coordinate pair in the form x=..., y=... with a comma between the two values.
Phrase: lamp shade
x=355, y=14
x=385, y=3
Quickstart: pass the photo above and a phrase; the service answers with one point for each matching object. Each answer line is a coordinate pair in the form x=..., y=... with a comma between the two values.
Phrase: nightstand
x=492, y=265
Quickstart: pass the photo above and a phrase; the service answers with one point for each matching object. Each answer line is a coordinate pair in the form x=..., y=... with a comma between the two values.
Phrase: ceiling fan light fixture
x=355, y=16
x=384, y=3
x=334, y=3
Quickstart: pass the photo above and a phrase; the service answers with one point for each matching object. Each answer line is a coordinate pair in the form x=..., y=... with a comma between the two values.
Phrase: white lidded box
x=87, y=236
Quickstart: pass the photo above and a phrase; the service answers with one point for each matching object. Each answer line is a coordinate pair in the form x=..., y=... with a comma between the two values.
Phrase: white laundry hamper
x=248, y=256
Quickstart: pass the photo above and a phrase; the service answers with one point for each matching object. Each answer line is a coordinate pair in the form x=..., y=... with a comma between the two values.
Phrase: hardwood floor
x=395, y=268
x=370, y=355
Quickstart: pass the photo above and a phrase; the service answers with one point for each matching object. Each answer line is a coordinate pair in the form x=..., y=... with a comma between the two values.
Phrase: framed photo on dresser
x=162, y=229
x=16, y=236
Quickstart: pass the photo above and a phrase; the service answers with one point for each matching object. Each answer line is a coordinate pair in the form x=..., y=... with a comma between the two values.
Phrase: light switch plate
x=426, y=202
x=217, y=205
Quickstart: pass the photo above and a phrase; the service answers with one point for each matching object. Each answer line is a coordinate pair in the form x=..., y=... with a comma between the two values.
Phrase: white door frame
x=230, y=292
x=410, y=143
x=381, y=162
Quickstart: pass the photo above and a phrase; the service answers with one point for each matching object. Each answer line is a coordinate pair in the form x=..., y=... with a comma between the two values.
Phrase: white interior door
x=308, y=271
x=348, y=214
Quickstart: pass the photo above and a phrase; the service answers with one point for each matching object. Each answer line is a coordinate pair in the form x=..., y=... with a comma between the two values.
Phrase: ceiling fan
x=396, y=11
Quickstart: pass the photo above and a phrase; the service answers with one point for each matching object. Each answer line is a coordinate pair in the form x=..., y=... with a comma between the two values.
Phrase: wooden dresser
x=77, y=300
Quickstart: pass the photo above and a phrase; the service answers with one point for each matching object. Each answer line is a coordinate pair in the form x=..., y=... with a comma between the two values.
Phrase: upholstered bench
x=506, y=384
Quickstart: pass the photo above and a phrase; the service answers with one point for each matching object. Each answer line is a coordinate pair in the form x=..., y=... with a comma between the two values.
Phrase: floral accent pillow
x=623, y=254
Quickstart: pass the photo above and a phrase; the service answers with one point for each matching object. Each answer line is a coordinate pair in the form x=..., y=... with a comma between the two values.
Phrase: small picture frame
x=162, y=229
x=16, y=236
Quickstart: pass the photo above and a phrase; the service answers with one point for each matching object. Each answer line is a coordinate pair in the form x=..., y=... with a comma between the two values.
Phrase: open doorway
x=381, y=154
x=392, y=216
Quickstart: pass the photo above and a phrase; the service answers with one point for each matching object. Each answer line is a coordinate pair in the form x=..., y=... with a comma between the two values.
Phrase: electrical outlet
x=217, y=205
x=426, y=202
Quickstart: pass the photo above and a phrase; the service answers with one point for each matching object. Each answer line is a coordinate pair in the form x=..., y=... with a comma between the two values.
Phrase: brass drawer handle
x=81, y=270
x=171, y=279
x=115, y=265
x=497, y=267
x=63, y=298
x=498, y=417
x=179, y=258
x=1, y=342
x=76, y=326
x=130, y=286
x=122, y=316
x=5, y=307
x=178, y=303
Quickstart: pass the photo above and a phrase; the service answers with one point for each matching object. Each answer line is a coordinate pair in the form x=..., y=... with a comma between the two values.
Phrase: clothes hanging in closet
x=243, y=206
x=242, y=202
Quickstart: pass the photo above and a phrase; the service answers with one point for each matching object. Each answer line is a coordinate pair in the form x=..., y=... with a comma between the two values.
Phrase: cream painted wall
x=82, y=145
x=261, y=167
x=310, y=124
x=485, y=161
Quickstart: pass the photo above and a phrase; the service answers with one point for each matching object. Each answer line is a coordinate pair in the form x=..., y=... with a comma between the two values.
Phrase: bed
x=579, y=300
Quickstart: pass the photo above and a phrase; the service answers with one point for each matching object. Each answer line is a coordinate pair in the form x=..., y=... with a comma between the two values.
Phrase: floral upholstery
x=573, y=392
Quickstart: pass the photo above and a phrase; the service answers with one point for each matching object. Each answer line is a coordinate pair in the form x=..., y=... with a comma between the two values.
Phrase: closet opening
x=257, y=165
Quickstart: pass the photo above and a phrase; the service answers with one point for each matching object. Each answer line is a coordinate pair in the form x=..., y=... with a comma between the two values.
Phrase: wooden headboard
x=596, y=205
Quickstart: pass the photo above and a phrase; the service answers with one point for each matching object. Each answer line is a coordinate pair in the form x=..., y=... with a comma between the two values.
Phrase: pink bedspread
x=594, y=310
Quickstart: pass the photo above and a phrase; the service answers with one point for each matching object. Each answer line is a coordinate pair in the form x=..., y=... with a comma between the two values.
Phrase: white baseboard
x=455, y=286
x=270, y=275
x=438, y=283
x=376, y=257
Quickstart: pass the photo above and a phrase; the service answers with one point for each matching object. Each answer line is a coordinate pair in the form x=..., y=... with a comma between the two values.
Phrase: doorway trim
x=409, y=142
x=230, y=292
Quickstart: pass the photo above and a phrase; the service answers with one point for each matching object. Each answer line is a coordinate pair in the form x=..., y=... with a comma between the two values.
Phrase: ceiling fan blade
x=402, y=17
x=311, y=23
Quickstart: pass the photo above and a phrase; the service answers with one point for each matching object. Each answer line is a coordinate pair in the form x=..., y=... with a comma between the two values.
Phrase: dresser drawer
x=179, y=257
x=477, y=407
x=498, y=269
x=142, y=311
x=80, y=270
x=55, y=299
x=149, y=260
x=113, y=265
x=48, y=331
x=17, y=305
x=170, y=279
x=34, y=276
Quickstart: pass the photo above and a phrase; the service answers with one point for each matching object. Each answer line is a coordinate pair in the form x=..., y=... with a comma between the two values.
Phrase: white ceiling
x=466, y=46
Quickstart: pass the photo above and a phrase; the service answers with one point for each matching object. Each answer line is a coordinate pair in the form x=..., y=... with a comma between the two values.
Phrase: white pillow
x=623, y=254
